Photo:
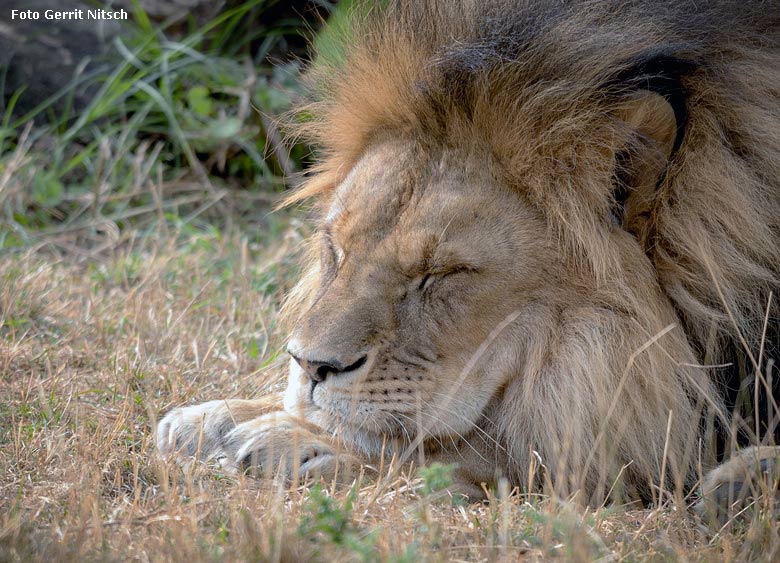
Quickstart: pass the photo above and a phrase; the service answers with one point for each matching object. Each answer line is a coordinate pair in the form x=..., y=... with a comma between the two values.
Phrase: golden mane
x=537, y=82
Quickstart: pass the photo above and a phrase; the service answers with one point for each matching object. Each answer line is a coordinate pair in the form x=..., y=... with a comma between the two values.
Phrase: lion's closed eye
x=428, y=279
x=332, y=255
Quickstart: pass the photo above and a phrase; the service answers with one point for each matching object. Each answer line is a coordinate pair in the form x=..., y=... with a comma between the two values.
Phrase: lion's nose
x=318, y=370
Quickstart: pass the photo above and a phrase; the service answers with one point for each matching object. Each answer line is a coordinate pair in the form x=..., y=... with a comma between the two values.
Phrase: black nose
x=318, y=370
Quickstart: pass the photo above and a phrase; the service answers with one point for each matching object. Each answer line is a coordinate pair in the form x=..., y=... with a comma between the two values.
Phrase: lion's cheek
x=296, y=394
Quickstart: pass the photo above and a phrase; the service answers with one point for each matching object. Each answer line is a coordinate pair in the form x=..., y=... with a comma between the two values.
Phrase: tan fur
x=478, y=142
x=748, y=480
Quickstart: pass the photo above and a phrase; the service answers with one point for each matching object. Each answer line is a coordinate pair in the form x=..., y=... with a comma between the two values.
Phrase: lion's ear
x=647, y=135
x=652, y=117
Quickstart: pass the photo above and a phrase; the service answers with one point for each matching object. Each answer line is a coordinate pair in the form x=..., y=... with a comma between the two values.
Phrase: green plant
x=332, y=520
x=171, y=133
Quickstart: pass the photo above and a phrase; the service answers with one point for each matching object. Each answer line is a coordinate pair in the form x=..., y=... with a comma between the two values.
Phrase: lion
x=544, y=231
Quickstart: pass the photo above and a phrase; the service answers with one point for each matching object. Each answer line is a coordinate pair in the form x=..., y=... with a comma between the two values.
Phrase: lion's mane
x=537, y=82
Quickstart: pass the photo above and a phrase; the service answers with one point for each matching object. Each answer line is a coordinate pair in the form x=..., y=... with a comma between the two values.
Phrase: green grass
x=176, y=128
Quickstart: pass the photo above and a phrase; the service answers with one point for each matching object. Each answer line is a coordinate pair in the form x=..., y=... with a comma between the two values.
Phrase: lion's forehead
x=370, y=200
x=388, y=193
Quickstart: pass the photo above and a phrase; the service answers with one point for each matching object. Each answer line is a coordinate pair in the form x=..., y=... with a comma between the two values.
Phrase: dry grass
x=91, y=354
x=115, y=309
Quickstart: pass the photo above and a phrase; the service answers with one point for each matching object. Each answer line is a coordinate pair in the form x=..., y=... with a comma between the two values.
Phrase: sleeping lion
x=546, y=248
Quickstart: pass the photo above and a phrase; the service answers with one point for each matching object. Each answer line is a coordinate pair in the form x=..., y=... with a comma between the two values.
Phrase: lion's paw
x=274, y=444
x=280, y=445
x=197, y=431
x=740, y=483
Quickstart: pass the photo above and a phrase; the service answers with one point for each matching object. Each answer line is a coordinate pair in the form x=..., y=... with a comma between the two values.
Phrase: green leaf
x=252, y=349
x=199, y=100
x=47, y=189
x=141, y=18
x=225, y=128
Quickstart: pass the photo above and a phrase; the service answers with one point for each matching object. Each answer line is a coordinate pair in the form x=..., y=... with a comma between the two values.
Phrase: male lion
x=543, y=227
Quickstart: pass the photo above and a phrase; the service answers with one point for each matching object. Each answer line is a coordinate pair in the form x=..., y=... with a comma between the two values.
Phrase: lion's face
x=422, y=258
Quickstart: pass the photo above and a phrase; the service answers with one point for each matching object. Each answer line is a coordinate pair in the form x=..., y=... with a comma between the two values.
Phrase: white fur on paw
x=194, y=431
